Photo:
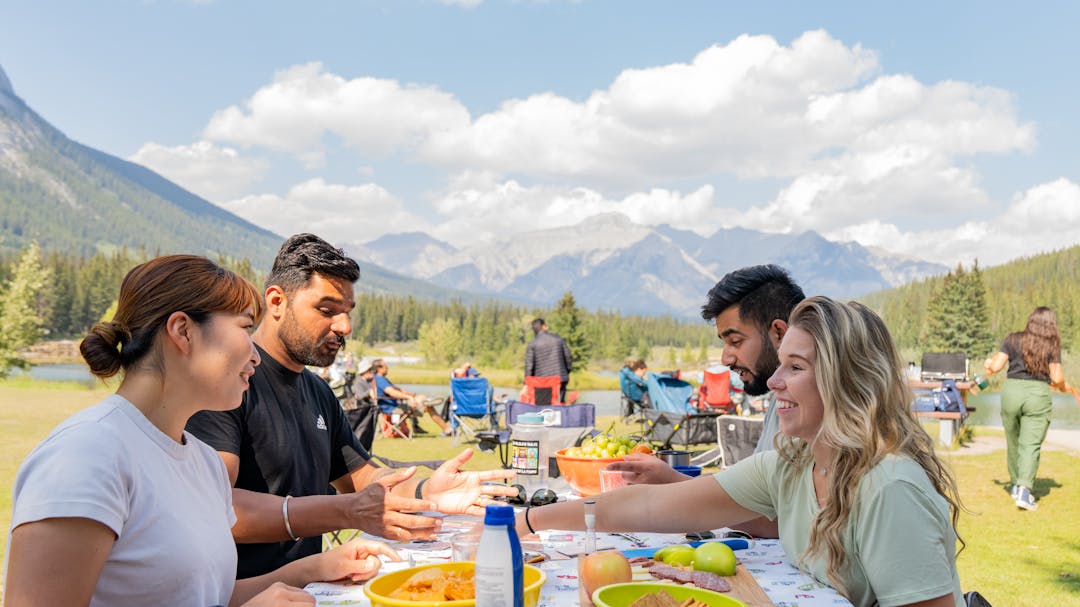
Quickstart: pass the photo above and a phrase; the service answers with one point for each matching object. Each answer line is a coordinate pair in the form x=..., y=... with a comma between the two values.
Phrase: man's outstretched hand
x=375, y=510
x=459, y=492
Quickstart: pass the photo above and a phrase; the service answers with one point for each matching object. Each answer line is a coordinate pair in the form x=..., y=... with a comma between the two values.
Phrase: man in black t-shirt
x=289, y=441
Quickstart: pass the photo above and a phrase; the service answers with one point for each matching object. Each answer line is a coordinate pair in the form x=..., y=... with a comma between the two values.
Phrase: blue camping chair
x=673, y=417
x=472, y=407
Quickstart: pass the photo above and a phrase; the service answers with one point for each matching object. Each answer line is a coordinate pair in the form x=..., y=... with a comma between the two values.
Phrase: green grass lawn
x=1015, y=558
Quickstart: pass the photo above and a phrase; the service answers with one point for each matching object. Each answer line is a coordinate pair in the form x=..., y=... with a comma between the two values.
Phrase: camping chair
x=715, y=391
x=630, y=407
x=543, y=390
x=472, y=407
x=394, y=420
x=673, y=418
x=737, y=437
x=567, y=425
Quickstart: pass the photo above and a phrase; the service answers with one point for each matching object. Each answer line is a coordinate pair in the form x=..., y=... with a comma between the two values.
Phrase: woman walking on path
x=1033, y=357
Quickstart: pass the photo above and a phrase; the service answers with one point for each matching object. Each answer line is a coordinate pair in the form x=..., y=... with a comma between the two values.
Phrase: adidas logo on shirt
x=320, y=423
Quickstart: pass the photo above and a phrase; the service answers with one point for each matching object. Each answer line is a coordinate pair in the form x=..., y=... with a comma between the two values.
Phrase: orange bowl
x=583, y=473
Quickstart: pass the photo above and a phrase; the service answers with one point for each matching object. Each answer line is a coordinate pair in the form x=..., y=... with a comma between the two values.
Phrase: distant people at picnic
x=391, y=396
x=863, y=502
x=1033, y=358
x=362, y=409
x=465, y=370
x=633, y=386
x=547, y=355
x=119, y=505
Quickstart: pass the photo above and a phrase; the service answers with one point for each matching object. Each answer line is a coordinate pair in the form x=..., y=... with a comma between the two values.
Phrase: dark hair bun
x=100, y=348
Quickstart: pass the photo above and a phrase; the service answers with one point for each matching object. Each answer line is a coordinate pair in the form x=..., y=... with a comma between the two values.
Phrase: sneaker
x=1015, y=492
x=419, y=430
x=448, y=432
x=1024, y=499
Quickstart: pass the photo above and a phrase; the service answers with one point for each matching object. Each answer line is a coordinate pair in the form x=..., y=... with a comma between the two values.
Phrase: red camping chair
x=715, y=391
x=543, y=390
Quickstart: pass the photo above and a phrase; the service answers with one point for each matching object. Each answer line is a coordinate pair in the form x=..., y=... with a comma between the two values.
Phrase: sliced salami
x=667, y=572
x=710, y=581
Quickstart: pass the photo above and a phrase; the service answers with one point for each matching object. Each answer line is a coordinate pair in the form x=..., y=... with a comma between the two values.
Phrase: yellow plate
x=378, y=588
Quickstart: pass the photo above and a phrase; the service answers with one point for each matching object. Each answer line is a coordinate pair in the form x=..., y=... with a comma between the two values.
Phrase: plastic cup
x=463, y=546
x=611, y=480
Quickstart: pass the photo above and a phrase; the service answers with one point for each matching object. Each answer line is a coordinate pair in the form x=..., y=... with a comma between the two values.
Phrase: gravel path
x=1056, y=440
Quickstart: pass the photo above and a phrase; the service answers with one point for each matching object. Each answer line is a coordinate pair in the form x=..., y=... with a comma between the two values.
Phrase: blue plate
x=733, y=543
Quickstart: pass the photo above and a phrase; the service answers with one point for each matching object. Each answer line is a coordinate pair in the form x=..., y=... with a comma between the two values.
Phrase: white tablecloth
x=765, y=560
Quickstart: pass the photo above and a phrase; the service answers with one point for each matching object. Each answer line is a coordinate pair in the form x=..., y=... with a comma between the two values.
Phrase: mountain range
x=612, y=263
x=71, y=197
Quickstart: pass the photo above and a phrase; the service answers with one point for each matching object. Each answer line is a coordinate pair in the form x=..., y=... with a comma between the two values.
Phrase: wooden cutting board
x=745, y=588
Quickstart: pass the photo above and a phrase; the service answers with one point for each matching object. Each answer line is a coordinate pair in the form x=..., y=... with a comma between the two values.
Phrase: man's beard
x=301, y=348
x=766, y=365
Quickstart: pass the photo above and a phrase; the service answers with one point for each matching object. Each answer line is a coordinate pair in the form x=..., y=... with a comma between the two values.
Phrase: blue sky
x=941, y=130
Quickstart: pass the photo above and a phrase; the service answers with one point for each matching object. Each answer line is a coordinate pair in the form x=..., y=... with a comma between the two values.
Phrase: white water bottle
x=500, y=571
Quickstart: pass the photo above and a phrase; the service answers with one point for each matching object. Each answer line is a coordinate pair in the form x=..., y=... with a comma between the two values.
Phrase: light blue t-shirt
x=899, y=540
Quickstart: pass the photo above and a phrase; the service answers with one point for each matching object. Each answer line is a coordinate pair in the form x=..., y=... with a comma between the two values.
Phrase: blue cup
x=689, y=470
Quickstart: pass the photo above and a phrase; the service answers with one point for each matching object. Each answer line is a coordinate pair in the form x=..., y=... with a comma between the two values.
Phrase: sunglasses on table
x=541, y=497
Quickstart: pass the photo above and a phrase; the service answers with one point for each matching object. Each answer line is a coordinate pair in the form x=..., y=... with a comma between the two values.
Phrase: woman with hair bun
x=1033, y=357
x=119, y=501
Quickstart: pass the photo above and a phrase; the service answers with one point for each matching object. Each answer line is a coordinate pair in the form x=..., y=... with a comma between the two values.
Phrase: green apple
x=662, y=554
x=715, y=557
x=681, y=556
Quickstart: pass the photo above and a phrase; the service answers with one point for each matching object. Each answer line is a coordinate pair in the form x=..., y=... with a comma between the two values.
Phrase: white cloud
x=903, y=183
x=1043, y=218
x=339, y=213
x=213, y=172
x=477, y=207
x=304, y=103
x=860, y=153
x=462, y=3
x=752, y=108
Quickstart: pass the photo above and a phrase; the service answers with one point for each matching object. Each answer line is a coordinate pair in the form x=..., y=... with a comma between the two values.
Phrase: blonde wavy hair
x=867, y=416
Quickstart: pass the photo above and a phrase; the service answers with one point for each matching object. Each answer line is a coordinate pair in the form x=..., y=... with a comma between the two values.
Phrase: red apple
x=603, y=568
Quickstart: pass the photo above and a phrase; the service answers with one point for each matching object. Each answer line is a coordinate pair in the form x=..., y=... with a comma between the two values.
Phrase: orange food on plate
x=437, y=585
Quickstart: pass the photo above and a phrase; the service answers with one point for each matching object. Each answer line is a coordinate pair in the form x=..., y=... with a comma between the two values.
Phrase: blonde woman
x=1033, y=357
x=863, y=502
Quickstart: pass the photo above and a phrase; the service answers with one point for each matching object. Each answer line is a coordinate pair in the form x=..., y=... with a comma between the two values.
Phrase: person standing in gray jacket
x=546, y=355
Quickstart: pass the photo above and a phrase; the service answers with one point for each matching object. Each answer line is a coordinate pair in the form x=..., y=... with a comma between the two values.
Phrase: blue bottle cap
x=496, y=514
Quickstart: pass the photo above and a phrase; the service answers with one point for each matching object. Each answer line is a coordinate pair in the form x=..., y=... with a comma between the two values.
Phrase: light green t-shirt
x=899, y=541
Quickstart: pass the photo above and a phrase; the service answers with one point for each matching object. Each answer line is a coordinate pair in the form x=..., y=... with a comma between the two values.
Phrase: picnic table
x=949, y=422
x=782, y=583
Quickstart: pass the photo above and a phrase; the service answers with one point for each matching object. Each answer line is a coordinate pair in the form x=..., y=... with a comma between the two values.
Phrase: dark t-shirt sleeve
x=222, y=430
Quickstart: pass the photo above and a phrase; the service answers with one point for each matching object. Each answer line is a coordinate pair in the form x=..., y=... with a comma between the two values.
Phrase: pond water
x=987, y=404
x=76, y=372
